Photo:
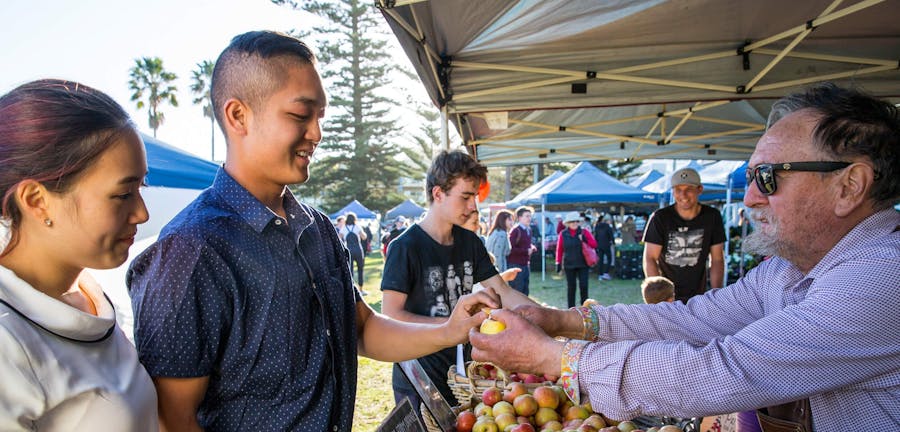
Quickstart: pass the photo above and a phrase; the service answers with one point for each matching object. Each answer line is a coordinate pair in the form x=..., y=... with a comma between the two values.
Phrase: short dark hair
x=252, y=67
x=657, y=289
x=524, y=209
x=51, y=131
x=448, y=166
x=853, y=124
x=351, y=218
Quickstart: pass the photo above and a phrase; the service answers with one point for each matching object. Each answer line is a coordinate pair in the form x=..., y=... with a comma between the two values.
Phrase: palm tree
x=148, y=76
x=201, y=85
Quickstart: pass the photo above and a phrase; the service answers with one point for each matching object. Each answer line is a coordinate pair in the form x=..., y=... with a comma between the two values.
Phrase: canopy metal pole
x=445, y=129
x=728, y=231
x=543, y=235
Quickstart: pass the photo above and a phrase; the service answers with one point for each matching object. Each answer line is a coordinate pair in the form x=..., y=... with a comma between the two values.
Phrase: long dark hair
x=500, y=221
x=51, y=131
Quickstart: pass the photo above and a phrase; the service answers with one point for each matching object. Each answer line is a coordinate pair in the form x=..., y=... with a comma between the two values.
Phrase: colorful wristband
x=591, y=323
x=571, y=353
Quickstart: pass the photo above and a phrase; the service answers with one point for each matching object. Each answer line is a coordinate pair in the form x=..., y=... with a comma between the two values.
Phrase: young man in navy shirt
x=246, y=314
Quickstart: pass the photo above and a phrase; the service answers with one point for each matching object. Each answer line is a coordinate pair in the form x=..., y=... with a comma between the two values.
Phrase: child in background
x=657, y=289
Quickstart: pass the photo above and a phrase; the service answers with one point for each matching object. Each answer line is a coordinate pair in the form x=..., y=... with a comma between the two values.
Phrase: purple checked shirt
x=777, y=335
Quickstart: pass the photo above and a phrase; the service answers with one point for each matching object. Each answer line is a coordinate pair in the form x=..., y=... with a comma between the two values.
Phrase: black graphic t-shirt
x=685, y=246
x=434, y=277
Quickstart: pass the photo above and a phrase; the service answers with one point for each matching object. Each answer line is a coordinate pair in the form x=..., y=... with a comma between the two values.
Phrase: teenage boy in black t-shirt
x=436, y=261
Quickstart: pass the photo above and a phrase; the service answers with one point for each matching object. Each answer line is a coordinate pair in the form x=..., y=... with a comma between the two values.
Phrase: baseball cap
x=686, y=176
x=400, y=219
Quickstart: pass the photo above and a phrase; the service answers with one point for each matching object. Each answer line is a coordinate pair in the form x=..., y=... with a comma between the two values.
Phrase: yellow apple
x=490, y=326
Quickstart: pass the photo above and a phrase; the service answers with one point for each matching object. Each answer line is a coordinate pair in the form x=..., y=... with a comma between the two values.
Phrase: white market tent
x=532, y=81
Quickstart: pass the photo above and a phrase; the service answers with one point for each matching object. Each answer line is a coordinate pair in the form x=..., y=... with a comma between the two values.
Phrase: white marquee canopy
x=530, y=81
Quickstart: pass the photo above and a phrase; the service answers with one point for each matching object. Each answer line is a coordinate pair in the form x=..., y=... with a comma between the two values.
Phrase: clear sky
x=96, y=41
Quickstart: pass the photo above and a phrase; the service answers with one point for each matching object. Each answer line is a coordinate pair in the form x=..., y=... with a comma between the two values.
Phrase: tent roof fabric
x=407, y=209
x=519, y=199
x=170, y=167
x=357, y=208
x=646, y=178
x=527, y=81
x=588, y=184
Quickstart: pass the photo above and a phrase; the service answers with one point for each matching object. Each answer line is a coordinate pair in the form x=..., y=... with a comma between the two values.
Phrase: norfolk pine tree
x=358, y=155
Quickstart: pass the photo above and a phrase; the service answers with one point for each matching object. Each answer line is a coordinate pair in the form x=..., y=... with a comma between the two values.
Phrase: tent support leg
x=445, y=129
x=543, y=235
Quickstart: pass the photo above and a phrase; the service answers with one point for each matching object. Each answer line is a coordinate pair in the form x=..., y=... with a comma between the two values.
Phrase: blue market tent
x=585, y=184
x=407, y=209
x=717, y=179
x=588, y=184
x=170, y=167
x=725, y=172
x=646, y=178
x=519, y=199
x=357, y=208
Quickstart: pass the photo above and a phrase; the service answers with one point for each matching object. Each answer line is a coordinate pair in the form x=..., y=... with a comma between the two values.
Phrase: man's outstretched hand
x=521, y=347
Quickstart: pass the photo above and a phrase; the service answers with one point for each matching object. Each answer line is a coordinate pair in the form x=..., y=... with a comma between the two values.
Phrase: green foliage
x=358, y=157
x=521, y=177
x=621, y=170
x=201, y=87
x=150, y=79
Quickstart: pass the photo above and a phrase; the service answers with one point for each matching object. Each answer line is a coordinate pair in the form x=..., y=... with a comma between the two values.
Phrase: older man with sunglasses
x=811, y=333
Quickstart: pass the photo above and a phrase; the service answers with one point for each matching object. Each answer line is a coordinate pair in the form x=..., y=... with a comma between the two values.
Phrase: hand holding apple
x=521, y=346
x=468, y=314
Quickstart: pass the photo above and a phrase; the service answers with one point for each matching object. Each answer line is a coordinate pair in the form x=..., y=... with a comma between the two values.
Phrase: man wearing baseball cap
x=681, y=238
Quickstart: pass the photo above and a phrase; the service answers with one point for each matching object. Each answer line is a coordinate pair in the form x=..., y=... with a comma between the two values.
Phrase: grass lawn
x=374, y=397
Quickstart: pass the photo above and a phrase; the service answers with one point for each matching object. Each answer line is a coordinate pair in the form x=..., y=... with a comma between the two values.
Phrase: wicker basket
x=465, y=387
x=428, y=420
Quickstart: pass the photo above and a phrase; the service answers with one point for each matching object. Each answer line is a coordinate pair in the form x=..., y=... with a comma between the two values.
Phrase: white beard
x=759, y=242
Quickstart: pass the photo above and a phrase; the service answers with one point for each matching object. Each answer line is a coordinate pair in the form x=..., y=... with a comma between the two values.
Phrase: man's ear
x=236, y=117
x=437, y=193
x=854, y=187
x=33, y=200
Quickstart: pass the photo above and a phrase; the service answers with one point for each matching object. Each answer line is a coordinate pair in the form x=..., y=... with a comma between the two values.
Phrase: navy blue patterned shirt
x=262, y=305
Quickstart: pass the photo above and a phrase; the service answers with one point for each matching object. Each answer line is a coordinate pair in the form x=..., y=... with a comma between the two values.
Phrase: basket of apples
x=544, y=408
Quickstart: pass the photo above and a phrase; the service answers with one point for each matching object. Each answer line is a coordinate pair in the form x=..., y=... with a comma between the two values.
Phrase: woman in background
x=570, y=258
x=71, y=165
x=353, y=236
x=498, y=238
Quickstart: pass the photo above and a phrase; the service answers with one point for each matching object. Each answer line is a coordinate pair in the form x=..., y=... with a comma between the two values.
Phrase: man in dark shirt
x=245, y=312
x=679, y=239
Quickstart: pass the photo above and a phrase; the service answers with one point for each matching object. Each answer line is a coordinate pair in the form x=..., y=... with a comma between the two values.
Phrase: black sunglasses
x=764, y=174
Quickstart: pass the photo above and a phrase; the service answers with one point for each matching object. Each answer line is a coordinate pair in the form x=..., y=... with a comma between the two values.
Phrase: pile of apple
x=546, y=408
x=489, y=371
